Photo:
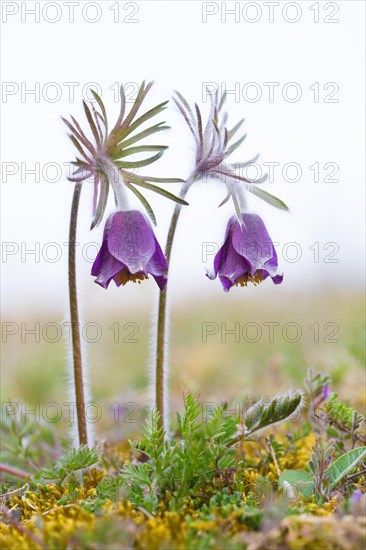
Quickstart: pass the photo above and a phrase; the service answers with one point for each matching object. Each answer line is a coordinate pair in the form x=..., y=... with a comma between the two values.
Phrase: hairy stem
x=163, y=314
x=74, y=315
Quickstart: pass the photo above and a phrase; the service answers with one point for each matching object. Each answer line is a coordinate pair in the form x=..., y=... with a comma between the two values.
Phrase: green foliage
x=23, y=441
x=184, y=465
x=295, y=482
x=343, y=417
x=75, y=460
x=201, y=451
x=315, y=383
x=109, y=489
x=320, y=459
x=342, y=424
x=263, y=414
x=344, y=465
x=270, y=199
x=195, y=489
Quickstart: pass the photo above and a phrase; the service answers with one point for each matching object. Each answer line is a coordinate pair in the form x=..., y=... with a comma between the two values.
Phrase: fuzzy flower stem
x=162, y=332
x=74, y=315
x=241, y=195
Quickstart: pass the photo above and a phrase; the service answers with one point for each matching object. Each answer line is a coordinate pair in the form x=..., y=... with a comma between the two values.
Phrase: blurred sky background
x=171, y=45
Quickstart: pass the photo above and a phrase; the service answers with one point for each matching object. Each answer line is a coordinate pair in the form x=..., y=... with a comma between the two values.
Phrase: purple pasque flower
x=129, y=252
x=247, y=255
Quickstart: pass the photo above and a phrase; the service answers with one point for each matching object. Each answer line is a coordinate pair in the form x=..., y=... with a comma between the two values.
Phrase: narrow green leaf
x=123, y=106
x=258, y=181
x=139, y=473
x=151, y=113
x=137, y=103
x=103, y=116
x=140, y=149
x=216, y=126
x=89, y=145
x=79, y=148
x=344, y=465
x=148, y=132
x=135, y=107
x=97, y=117
x=81, y=164
x=184, y=101
x=160, y=191
x=191, y=123
x=92, y=125
x=146, y=116
x=144, y=202
x=237, y=208
x=233, y=131
x=102, y=202
x=222, y=100
x=79, y=135
x=239, y=165
x=100, y=117
x=225, y=200
x=140, y=163
x=235, y=145
x=199, y=124
x=263, y=414
x=226, y=137
x=164, y=180
x=271, y=199
x=100, y=103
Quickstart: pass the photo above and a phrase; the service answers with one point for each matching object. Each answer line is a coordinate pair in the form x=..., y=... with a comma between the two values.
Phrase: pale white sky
x=309, y=51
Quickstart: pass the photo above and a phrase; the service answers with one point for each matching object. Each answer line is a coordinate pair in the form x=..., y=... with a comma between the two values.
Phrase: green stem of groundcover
x=162, y=332
x=74, y=315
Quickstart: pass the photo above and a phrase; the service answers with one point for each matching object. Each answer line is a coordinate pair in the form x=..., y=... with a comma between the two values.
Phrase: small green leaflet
x=344, y=465
x=300, y=481
x=160, y=191
x=102, y=201
x=271, y=199
x=144, y=202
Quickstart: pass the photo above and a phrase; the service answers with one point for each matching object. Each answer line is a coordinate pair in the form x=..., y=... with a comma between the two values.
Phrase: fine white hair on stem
x=70, y=407
x=118, y=185
x=152, y=359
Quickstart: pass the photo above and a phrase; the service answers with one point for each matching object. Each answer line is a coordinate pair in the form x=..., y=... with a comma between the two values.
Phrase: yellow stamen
x=124, y=276
x=243, y=280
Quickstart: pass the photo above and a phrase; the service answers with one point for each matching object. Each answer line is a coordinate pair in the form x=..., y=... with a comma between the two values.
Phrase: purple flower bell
x=247, y=255
x=129, y=251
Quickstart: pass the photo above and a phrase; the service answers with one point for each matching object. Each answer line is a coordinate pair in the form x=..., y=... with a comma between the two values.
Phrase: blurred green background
x=226, y=367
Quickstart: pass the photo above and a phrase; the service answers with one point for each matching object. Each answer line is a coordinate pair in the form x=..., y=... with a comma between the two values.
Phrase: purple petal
x=105, y=266
x=253, y=242
x=161, y=281
x=217, y=263
x=277, y=279
x=131, y=240
x=158, y=267
x=226, y=283
x=231, y=265
x=247, y=251
x=158, y=263
x=272, y=265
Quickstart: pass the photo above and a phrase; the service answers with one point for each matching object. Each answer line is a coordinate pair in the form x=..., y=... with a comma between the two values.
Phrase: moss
x=91, y=512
